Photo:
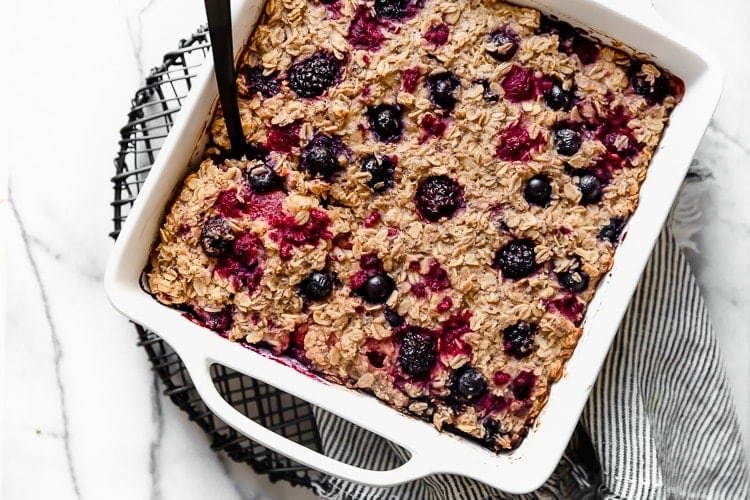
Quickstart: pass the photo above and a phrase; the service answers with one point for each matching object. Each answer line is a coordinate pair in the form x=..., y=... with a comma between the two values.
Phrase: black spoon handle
x=219, y=17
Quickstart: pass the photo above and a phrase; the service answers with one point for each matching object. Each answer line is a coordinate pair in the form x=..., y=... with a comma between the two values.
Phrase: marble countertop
x=83, y=416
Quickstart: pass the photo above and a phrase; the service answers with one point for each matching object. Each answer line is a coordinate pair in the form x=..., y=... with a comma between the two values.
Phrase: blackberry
x=312, y=76
x=216, y=237
x=518, y=339
x=516, y=259
x=417, y=352
x=320, y=156
x=390, y=9
x=437, y=197
x=380, y=169
x=256, y=81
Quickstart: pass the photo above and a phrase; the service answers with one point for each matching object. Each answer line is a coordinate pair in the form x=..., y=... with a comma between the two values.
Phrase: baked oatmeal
x=430, y=193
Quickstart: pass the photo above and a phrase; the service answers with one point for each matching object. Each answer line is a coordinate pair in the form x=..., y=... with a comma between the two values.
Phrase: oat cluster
x=432, y=191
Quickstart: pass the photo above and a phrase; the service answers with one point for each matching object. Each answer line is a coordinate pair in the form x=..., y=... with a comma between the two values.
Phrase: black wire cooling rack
x=150, y=119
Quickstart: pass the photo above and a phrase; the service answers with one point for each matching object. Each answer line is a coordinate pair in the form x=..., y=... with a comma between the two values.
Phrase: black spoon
x=219, y=17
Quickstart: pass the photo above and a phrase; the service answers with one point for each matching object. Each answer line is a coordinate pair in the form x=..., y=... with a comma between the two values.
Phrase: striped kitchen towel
x=660, y=422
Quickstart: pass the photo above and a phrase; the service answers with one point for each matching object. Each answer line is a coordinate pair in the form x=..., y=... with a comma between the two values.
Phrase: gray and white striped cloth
x=660, y=422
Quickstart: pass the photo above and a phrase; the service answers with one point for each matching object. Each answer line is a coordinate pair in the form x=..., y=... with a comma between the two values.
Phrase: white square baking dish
x=642, y=31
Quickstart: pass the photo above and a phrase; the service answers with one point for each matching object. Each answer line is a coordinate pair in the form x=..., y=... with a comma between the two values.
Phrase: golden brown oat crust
x=338, y=332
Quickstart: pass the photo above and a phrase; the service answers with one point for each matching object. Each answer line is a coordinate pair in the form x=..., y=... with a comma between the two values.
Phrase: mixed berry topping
x=516, y=144
x=470, y=384
x=312, y=76
x=487, y=94
x=437, y=197
x=612, y=231
x=591, y=189
x=518, y=339
x=390, y=9
x=538, y=190
x=385, y=121
x=216, y=237
x=317, y=286
x=376, y=358
x=288, y=233
x=365, y=31
x=502, y=44
x=558, y=98
x=567, y=141
x=569, y=306
x=393, y=318
x=442, y=87
x=320, y=156
x=283, y=138
x=501, y=379
x=218, y=321
x=573, y=280
x=516, y=259
x=519, y=84
x=372, y=219
x=381, y=170
x=523, y=384
x=650, y=82
x=417, y=352
x=571, y=41
x=433, y=126
x=437, y=34
x=410, y=78
x=377, y=288
x=256, y=81
x=261, y=178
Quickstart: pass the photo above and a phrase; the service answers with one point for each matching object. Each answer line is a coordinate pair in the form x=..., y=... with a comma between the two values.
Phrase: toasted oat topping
x=434, y=192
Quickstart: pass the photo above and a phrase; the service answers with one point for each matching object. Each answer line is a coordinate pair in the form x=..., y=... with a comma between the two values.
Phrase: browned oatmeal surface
x=432, y=192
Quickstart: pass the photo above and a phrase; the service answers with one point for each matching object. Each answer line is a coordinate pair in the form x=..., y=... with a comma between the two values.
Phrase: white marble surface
x=82, y=415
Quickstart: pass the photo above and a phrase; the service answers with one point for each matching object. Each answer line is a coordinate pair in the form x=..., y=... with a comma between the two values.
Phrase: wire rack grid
x=151, y=116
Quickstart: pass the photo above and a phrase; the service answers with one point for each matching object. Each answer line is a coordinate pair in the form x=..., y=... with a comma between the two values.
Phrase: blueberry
x=612, y=231
x=567, y=142
x=470, y=384
x=516, y=259
x=390, y=9
x=502, y=44
x=312, y=76
x=385, y=121
x=591, y=189
x=393, y=318
x=492, y=428
x=216, y=237
x=261, y=178
x=381, y=172
x=573, y=280
x=442, y=86
x=320, y=157
x=317, y=286
x=487, y=93
x=256, y=81
x=518, y=339
x=538, y=190
x=557, y=98
x=438, y=196
x=647, y=84
x=417, y=352
x=377, y=288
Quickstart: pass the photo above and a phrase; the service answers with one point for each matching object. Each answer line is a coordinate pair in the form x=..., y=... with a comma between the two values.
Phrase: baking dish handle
x=199, y=369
